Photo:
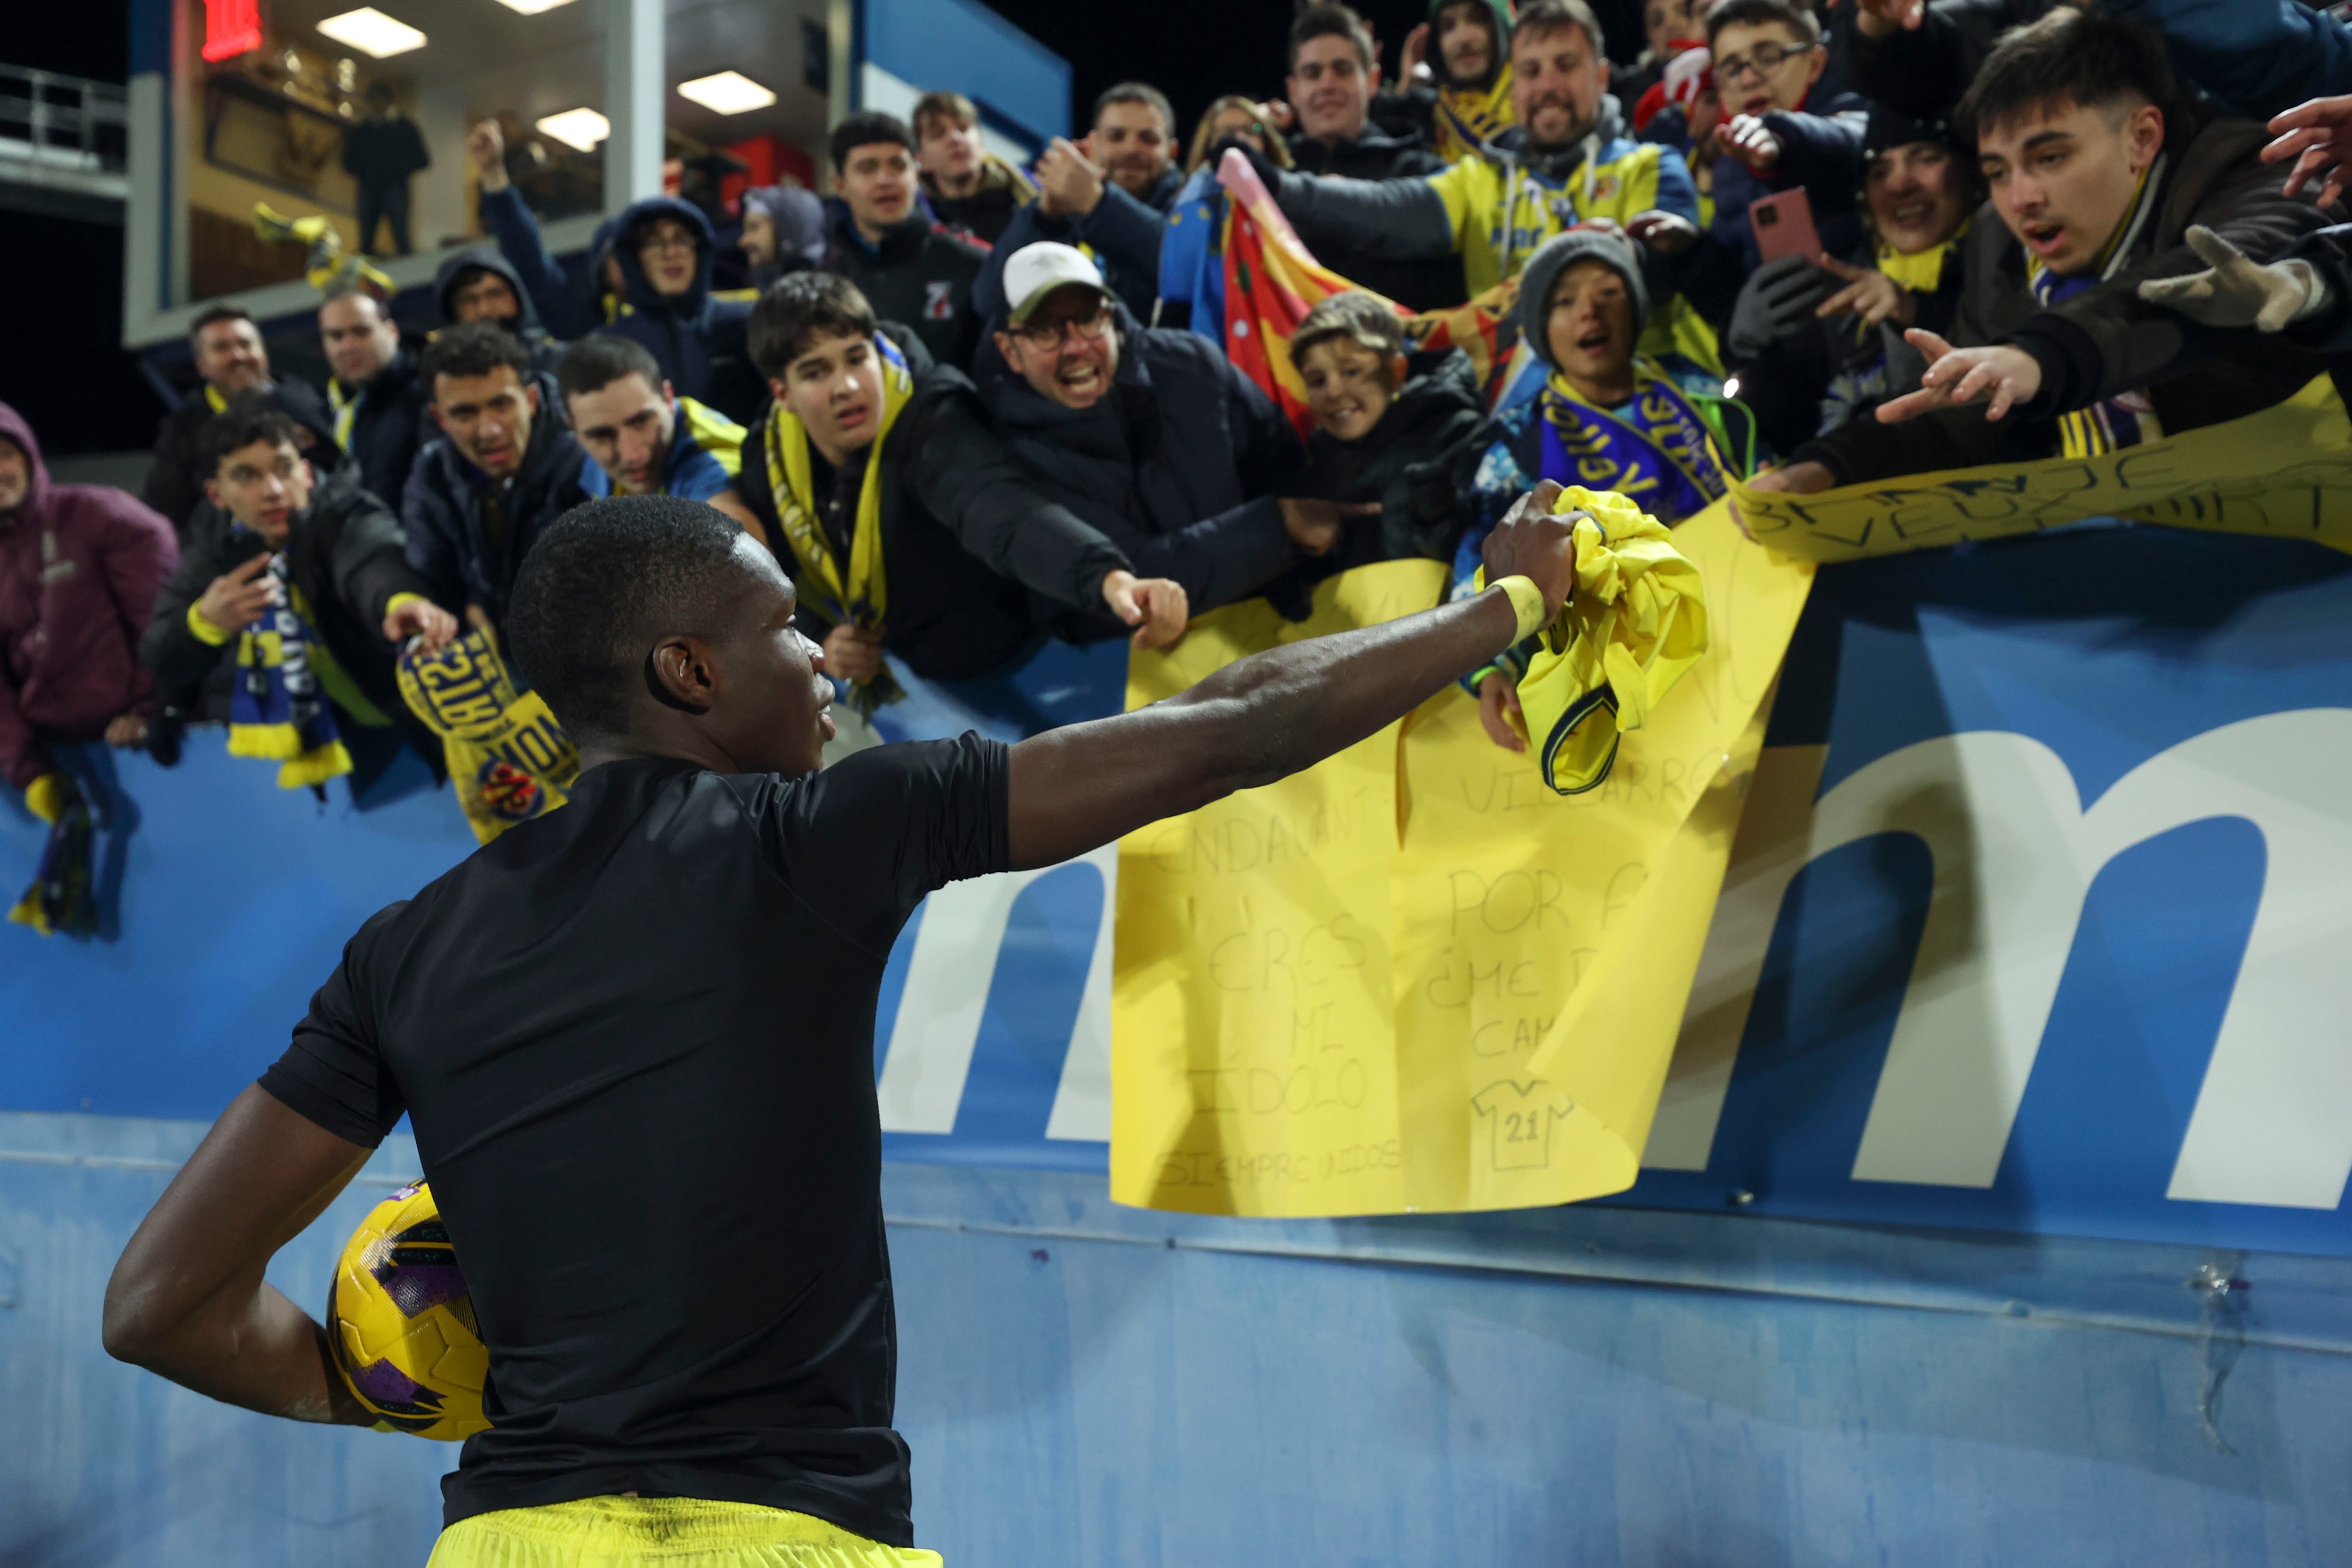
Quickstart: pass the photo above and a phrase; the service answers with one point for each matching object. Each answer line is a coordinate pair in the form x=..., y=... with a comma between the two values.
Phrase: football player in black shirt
x=634, y=1038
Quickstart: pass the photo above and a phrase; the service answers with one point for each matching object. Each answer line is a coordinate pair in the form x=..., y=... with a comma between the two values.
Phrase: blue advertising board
x=2038, y=923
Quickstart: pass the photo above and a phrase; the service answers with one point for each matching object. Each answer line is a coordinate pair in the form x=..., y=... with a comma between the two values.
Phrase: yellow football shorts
x=676, y=1531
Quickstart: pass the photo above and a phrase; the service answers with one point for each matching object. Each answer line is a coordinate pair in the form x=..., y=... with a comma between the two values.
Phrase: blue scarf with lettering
x=1655, y=450
x=277, y=711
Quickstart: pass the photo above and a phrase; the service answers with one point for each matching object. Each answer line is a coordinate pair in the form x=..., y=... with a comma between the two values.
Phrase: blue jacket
x=441, y=511
x=565, y=309
x=697, y=337
x=1819, y=151
x=1123, y=234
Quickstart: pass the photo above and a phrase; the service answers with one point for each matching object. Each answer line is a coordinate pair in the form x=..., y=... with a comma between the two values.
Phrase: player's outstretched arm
x=187, y=1298
x=1268, y=716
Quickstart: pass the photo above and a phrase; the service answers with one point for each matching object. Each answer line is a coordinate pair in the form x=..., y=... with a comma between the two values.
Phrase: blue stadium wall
x=2049, y=1371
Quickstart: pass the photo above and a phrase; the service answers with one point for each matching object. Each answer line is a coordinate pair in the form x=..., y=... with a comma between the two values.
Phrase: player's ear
x=682, y=673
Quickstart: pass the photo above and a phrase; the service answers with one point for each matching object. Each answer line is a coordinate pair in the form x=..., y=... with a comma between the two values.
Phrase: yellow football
x=402, y=1324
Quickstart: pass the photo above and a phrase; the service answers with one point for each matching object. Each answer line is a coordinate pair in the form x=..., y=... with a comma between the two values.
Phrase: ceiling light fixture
x=729, y=92
x=532, y=7
x=371, y=32
x=580, y=129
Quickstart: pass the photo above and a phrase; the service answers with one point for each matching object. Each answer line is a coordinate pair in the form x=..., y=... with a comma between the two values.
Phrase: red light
x=232, y=27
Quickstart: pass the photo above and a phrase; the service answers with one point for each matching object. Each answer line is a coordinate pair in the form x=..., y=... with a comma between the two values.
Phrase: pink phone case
x=1783, y=222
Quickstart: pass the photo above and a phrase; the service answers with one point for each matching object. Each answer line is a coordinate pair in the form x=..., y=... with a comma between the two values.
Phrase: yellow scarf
x=508, y=757
x=1921, y=271
x=1469, y=117
x=860, y=595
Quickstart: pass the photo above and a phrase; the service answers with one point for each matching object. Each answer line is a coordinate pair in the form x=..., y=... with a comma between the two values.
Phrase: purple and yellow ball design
x=402, y=1324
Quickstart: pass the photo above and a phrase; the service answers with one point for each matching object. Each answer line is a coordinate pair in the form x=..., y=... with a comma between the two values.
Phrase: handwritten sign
x=1413, y=978
x=2285, y=472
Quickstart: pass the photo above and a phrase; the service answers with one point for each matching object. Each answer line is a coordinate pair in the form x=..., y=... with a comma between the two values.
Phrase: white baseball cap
x=1036, y=270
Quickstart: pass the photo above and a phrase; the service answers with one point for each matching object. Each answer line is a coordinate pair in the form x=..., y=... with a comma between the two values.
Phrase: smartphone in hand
x=1783, y=222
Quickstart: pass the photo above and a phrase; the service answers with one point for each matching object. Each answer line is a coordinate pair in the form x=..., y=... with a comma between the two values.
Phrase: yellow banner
x=1412, y=977
x=2285, y=472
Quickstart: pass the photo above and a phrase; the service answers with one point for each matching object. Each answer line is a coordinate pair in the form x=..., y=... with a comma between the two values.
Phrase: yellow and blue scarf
x=508, y=757
x=853, y=593
x=1656, y=452
x=279, y=710
x=2127, y=419
x=1467, y=119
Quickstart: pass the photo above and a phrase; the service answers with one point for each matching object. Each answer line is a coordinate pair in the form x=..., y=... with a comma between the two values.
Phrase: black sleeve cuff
x=2069, y=360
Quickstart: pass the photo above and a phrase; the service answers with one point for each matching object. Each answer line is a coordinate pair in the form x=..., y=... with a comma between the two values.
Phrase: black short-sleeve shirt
x=635, y=1040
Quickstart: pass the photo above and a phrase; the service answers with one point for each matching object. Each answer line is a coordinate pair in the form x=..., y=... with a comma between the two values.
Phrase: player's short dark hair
x=2071, y=56
x=250, y=417
x=949, y=108
x=602, y=584
x=800, y=308
x=1798, y=19
x=599, y=360
x=1331, y=21
x=214, y=317
x=476, y=348
x=1541, y=16
x=867, y=129
x=1141, y=92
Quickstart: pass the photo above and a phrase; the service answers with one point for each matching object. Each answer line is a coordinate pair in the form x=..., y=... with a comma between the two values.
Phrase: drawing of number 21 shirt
x=1516, y=1120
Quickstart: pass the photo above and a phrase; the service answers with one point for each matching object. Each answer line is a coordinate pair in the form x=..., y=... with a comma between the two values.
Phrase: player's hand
x=1314, y=526
x=1663, y=233
x=1157, y=607
x=1997, y=376
x=1535, y=543
x=2318, y=136
x=853, y=653
x=420, y=618
x=1793, y=478
x=1411, y=60
x=2235, y=292
x=234, y=598
x=1747, y=139
x=1868, y=293
x=486, y=145
x=126, y=731
x=1499, y=710
x=1069, y=183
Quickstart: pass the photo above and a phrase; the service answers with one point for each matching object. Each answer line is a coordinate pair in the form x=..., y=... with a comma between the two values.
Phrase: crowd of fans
x=965, y=404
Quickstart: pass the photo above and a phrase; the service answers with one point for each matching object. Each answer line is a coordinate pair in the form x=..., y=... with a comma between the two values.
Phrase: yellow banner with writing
x=1412, y=977
x=2285, y=472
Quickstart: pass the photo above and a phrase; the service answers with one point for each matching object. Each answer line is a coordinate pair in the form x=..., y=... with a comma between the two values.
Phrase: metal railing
x=64, y=121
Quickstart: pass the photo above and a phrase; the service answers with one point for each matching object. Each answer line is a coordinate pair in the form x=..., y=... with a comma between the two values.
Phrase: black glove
x=1269, y=173
x=1777, y=302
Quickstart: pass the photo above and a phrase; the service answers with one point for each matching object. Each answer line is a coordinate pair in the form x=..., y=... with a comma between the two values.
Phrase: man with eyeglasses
x=1151, y=437
x=1779, y=133
x=665, y=250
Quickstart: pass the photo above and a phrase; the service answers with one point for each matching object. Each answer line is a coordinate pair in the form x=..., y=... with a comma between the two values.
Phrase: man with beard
x=231, y=358
x=1565, y=162
x=1109, y=193
x=1333, y=74
x=378, y=403
x=1453, y=82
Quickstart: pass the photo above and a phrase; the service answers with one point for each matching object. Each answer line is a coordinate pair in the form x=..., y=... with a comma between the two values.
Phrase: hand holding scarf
x=277, y=710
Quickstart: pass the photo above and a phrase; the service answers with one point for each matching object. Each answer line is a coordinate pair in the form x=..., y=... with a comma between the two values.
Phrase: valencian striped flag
x=1272, y=280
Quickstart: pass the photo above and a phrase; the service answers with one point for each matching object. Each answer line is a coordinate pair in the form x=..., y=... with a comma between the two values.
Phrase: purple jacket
x=80, y=565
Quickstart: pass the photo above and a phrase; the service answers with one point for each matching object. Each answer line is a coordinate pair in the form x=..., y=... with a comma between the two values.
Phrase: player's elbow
x=134, y=1327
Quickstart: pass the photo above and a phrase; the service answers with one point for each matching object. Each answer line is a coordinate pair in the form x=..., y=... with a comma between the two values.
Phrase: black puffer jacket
x=1418, y=462
x=345, y=553
x=1179, y=467
x=389, y=426
x=1426, y=283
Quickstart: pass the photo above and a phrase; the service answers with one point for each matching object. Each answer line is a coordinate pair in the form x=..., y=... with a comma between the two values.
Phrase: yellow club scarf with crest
x=1467, y=119
x=853, y=593
x=508, y=757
